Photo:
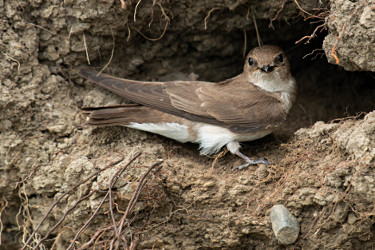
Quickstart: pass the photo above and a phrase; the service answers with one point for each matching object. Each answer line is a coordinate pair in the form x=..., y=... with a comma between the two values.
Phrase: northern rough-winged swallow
x=243, y=108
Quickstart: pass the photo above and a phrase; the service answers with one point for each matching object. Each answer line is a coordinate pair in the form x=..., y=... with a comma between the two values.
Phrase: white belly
x=211, y=138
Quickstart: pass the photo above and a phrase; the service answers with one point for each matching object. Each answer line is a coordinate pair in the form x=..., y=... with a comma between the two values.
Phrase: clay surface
x=323, y=157
x=351, y=38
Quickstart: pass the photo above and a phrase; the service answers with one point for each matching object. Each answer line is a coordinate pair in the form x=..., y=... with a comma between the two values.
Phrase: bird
x=246, y=107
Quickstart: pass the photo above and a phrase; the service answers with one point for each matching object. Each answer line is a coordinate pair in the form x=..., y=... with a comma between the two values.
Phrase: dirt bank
x=323, y=157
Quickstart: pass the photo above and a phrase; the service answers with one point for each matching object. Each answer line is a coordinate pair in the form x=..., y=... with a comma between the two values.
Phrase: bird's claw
x=252, y=162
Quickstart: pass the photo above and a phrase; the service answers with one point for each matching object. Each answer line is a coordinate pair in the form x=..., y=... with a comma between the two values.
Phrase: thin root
x=218, y=156
x=85, y=45
x=53, y=33
x=112, y=52
x=208, y=15
x=323, y=26
x=154, y=39
x=277, y=14
x=3, y=205
x=14, y=60
x=164, y=30
x=304, y=11
x=135, y=10
x=260, y=43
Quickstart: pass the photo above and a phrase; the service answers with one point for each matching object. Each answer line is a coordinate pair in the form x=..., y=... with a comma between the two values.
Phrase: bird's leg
x=234, y=148
x=249, y=161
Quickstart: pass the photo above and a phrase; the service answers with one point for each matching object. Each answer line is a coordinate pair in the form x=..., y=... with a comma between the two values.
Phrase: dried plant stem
x=65, y=194
x=113, y=182
x=115, y=241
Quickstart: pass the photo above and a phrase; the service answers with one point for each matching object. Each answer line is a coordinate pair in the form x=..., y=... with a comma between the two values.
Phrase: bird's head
x=267, y=61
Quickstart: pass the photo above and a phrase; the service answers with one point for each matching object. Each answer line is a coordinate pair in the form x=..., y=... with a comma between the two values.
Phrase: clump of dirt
x=323, y=172
x=351, y=24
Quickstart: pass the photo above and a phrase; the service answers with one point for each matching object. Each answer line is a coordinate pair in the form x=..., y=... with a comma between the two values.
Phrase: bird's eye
x=251, y=61
x=280, y=58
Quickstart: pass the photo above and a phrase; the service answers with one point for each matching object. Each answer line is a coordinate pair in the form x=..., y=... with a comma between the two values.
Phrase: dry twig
x=94, y=237
x=63, y=218
x=321, y=16
x=115, y=241
x=117, y=237
x=113, y=182
x=61, y=197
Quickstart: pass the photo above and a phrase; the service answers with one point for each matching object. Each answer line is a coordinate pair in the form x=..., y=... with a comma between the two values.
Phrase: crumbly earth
x=351, y=38
x=323, y=157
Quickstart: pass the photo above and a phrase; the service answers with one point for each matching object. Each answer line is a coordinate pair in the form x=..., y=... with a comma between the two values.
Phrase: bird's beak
x=267, y=68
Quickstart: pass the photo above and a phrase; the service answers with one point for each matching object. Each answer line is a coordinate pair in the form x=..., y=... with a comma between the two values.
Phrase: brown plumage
x=120, y=115
x=198, y=101
x=242, y=108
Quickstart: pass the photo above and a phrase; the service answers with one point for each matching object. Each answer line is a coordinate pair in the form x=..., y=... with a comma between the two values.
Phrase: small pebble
x=284, y=225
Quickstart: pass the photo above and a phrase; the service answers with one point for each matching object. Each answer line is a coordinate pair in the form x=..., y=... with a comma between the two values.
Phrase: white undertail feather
x=212, y=138
x=171, y=130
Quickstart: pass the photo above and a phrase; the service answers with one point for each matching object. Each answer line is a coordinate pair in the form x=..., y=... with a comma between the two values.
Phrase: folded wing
x=234, y=104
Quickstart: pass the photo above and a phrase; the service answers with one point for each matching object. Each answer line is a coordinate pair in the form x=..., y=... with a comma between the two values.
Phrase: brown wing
x=234, y=104
x=121, y=115
x=146, y=93
x=239, y=105
x=154, y=94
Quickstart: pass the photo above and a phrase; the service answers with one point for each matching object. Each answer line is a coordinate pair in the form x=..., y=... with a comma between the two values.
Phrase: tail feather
x=123, y=115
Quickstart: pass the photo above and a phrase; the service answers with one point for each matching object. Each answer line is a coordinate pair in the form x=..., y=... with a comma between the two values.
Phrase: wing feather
x=235, y=103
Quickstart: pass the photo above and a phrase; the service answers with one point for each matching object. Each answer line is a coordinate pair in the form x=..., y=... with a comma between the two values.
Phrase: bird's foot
x=249, y=161
x=252, y=162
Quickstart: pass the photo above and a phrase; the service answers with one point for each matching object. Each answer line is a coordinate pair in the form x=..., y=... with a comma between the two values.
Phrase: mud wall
x=323, y=173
